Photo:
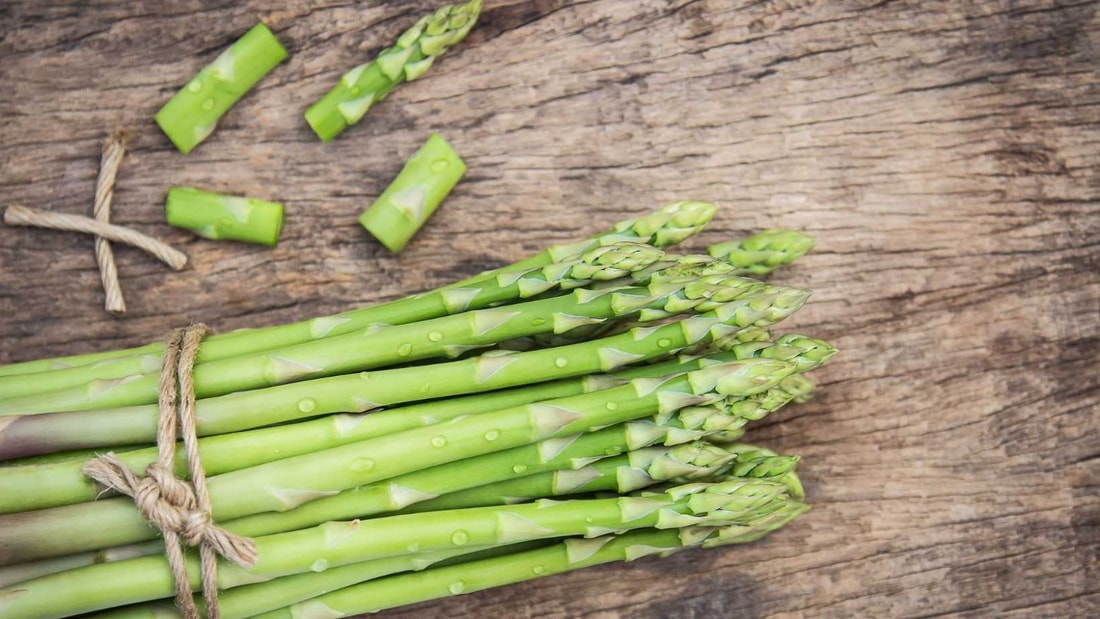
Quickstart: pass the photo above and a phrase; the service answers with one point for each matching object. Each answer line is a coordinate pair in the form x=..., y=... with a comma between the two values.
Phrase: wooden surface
x=946, y=156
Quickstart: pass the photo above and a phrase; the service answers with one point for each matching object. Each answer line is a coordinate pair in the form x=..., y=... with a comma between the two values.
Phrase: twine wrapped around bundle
x=181, y=510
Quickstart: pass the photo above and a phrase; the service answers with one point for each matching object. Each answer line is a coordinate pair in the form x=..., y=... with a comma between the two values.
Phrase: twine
x=16, y=215
x=179, y=509
x=113, y=150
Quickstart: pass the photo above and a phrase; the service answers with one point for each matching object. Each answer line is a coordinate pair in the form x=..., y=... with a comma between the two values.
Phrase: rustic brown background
x=946, y=156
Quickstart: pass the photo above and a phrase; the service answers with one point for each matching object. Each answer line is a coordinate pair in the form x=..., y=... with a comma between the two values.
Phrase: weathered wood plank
x=944, y=154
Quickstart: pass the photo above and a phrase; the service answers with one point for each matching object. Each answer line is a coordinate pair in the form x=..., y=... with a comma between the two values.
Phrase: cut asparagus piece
x=421, y=186
x=667, y=226
x=216, y=216
x=735, y=501
x=285, y=484
x=190, y=116
x=765, y=251
x=415, y=50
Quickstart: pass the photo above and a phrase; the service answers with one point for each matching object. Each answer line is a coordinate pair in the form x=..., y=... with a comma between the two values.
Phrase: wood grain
x=946, y=156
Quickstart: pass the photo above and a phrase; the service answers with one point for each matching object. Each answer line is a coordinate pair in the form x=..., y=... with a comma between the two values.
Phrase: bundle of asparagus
x=582, y=406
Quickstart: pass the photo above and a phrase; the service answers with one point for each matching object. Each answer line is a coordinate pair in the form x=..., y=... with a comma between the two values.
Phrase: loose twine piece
x=16, y=215
x=113, y=150
x=177, y=508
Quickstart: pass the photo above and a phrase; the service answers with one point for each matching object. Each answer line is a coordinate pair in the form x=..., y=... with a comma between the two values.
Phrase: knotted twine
x=179, y=509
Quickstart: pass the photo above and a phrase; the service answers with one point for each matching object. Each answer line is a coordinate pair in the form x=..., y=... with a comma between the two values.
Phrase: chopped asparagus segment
x=413, y=53
x=190, y=117
x=216, y=216
x=407, y=203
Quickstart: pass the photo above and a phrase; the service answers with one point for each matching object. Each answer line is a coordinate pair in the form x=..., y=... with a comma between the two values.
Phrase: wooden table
x=946, y=156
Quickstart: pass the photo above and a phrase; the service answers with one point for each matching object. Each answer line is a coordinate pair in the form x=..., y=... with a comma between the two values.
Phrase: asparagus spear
x=569, y=452
x=735, y=501
x=285, y=484
x=416, y=49
x=42, y=433
x=763, y=252
x=407, y=203
x=190, y=116
x=214, y=216
x=568, y=555
x=688, y=424
x=373, y=348
x=637, y=469
x=40, y=486
x=606, y=262
x=520, y=463
x=666, y=226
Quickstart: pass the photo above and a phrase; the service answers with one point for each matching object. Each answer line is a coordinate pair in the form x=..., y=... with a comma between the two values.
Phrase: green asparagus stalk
x=190, y=116
x=570, y=554
x=550, y=455
x=441, y=337
x=40, y=486
x=344, y=600
x=30, y=434
x=392, y=345
x=606, y=262
x=421, y=186
x=688, y=424
x=763, y=252
x=285, y=484
x=414, y=52
x=299, y=590
x=626, y=473
x=216, y=216
x=736, y=501
x=519, y=463
x=667, y=226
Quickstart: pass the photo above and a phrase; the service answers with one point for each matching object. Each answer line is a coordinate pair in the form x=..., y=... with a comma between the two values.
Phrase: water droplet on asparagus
x=492, y=435
x=208, y=105
x=611, y=406
x=538, y=321
x=404, y=349
x=307, y=405
x=319, y=565
x=439, y=441
x=362, y=465
x=664, y=342
x=435, y=336
x=460, y=537
x=561, y=362
x=439, y=165
x=519, y=469
x=194, y=86
x=456, y=587
x=538, y=569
